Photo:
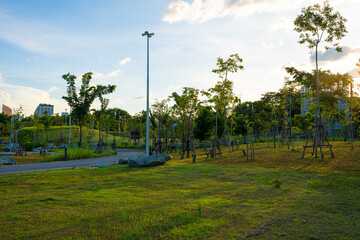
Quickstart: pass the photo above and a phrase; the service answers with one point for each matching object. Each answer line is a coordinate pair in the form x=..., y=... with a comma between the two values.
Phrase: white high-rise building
x=44, y=107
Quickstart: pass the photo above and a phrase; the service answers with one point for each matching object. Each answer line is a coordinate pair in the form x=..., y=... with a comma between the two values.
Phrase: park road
x=47, y=166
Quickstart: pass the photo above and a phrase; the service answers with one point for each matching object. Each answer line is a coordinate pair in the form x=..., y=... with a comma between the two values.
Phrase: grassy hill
x=59, y=135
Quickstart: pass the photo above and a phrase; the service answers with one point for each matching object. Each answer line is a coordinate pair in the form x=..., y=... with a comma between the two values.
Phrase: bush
x=77, y=153
x=29, y=145
x=277, y=183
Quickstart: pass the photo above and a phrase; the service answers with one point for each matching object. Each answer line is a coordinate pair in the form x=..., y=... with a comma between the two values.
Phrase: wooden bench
x=211, y=154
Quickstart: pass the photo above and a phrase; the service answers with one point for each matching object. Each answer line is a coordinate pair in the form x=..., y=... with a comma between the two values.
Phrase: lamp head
x=146, y=33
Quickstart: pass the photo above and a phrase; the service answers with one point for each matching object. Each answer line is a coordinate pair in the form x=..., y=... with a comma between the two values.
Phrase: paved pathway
x=22, y=168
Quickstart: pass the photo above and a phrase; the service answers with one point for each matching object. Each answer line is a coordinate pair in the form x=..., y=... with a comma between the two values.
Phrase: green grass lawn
x=277, y=196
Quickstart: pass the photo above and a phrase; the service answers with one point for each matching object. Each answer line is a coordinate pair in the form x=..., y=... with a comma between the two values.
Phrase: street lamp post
x=70, y=127
x=149, y=35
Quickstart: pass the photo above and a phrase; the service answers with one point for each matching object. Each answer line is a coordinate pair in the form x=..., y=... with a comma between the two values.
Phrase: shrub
x=77, y=153
x=277, y=183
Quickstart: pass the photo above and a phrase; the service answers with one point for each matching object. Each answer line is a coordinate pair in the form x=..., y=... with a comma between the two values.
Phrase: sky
x=42, y=40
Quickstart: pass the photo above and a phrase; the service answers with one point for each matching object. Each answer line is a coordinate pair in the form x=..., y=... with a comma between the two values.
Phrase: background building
x=6, y=110
x=341, y=106
x=44, y=107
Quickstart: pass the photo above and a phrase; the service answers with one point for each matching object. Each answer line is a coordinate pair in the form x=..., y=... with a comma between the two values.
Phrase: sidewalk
x=23, y=168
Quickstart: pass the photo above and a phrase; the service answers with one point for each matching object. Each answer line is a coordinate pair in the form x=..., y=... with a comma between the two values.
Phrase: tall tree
x=222, y=95
x=316, y=24
x=80, y=103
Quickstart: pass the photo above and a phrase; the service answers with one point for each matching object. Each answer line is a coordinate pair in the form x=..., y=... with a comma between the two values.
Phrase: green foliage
x=316, y=23
x=222, y=95
x=186, y=105
x=76, y=153
x=80, y=103
x=204, y=124
x=25, y=135
x=232, y=64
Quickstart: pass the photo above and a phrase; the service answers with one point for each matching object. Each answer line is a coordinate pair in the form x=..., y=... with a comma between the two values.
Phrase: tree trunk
x=80, y=137
x=317, y=97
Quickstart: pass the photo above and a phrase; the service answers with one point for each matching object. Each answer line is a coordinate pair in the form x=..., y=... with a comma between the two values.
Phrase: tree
x=332, y=87
x=5, y=122
x=204, y=123
x=102, y=116
x=161, y=111
x=185, y=106
x=316, y=24
x=47, y=121
x=80, y=103
x=222, y=95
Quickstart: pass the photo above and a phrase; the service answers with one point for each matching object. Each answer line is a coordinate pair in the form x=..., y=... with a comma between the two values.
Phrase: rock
x=7, y=161
x=123, y=161
x=100, y=165
x=155, y=160
x=62, y=146
x=100, y=147
x=12, y=147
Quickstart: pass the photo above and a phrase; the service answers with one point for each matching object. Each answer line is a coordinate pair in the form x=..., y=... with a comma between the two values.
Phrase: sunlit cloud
x=266, y=45
x=52, y=89
x=14, y=96
x=354, y=72
x=173, y=88
x=106, y=75
x=199, y=11
x=281, y=24
x=124, y=61
x=332, y=55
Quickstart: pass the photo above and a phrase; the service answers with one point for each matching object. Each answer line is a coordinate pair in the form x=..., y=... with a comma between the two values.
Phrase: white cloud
x=124, y=61
x=52, y=89
x=14, y=96
x=173, y=88
x=354, y=72
x=281, y=23
x=332, y=55
x=204, y=10
x=139, y=98
x=33, y=59
x=105, y=75
x=36, y=37
x=41, y=37
x=266, y=45
x=197, y=11
x=4, y=97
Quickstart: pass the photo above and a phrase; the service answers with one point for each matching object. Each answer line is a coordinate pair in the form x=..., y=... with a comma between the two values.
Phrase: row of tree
x=218, y=111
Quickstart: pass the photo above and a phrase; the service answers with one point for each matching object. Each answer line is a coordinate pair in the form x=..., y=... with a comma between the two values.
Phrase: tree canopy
x=80, y=103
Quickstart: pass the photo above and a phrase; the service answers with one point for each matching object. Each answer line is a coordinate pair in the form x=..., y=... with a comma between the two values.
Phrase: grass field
x=277, y=196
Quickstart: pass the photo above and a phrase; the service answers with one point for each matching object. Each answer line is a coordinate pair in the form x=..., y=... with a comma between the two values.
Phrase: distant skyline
x=42, y=40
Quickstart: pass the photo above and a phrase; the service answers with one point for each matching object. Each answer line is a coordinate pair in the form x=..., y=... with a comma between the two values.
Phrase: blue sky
x=42, y=40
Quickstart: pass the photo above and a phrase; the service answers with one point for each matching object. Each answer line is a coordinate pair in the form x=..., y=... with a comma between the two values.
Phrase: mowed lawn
x=276, y=196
